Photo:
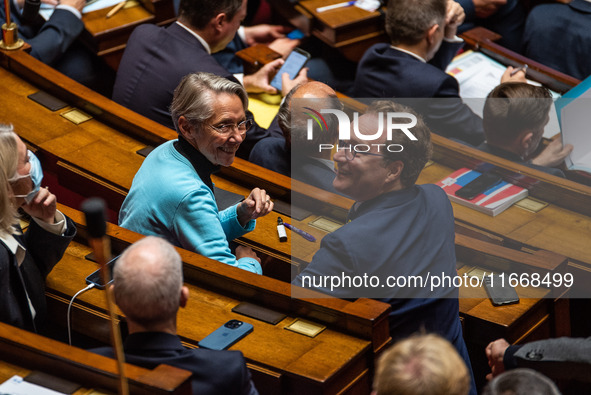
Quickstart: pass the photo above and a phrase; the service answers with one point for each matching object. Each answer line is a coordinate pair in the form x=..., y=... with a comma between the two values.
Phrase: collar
x=14, y=247
x=388, y=199
x=503, y=153
x=202, y=166
x=581, y=5
x=414, y=55
x=197, y=36
x=152, y=341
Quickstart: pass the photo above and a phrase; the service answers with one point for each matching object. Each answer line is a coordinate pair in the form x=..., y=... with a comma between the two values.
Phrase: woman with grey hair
x=26, y=259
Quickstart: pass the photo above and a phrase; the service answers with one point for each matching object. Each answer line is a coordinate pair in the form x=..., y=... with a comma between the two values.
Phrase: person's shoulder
x=232, y=363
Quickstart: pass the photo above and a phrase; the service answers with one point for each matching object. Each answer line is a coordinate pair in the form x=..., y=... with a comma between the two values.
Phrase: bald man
x=295, y=155
x=148, y=288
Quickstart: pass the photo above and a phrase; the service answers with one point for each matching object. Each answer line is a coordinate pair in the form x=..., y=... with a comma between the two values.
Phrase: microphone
x=30, y=10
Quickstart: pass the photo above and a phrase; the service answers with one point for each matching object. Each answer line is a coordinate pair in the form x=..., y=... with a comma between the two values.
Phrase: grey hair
x=194, y=97
x=148, y=278
x=8, y=167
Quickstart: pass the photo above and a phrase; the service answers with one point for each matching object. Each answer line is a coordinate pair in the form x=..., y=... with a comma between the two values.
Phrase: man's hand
x=454, y=17
x=495, y=352
x=244, y=252
x=78, y=4
x=43, y=206
x=259, y=81
x=284, y=46
x=264, y=34
x=518, y=77
x=553, y=154
x=287, y=84
x=257, y=204
x=485, y=8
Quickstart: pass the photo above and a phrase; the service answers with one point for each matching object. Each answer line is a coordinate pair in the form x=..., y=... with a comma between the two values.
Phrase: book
x=573, y=113
x=493, y=201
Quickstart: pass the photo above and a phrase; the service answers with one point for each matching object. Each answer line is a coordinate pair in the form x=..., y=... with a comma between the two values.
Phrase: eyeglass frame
x=235, y=127
x=356, y=152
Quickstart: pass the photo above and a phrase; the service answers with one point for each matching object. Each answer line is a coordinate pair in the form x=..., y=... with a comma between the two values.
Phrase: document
x=477, y=75
x=17, y=386
x=575, y=121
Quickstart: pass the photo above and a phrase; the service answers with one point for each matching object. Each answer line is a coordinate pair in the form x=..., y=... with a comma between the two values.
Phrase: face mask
x=36, y=174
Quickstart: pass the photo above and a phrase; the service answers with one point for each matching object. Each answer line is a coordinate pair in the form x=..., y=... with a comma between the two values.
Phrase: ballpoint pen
x=300, y=232
x=522, y=68
x=335, y=6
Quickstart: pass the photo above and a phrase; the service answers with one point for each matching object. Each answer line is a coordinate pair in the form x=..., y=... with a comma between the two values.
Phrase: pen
x=300, y=232
x=116, y=9
x=524, y=68
x=334, y=6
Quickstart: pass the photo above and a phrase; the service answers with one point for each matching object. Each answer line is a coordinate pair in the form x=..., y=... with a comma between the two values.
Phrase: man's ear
x=526, y=140
x=184, y=296
x=394, y=170
x=219, y=21
x=431, y=35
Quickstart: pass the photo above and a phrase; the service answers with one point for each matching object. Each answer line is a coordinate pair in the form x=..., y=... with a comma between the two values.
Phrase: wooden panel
x=22, y=351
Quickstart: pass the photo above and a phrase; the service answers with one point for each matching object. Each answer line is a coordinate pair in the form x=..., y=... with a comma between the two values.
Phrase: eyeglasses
x=350, y=153
x=228, y=128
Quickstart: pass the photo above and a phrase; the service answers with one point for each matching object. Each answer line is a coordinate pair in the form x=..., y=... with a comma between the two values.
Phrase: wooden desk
x=94, y=136
x=22, y=351
x=351, y=30
x=338, y=360
x=108, y=36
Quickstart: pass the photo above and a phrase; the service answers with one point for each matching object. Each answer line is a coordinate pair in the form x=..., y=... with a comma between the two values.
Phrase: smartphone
x=477, y=186
x=226, y=335
x=296, y=60
x=96, y=279
x=500, y=294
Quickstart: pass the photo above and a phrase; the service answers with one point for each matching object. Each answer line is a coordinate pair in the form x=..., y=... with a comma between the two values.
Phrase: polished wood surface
x=106, y=139
x=107, y=37
x=338, y=359
x=22, y=351
x=349, y=29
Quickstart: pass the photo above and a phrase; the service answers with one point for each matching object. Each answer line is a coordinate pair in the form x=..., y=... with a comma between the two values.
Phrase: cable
x=90, y=286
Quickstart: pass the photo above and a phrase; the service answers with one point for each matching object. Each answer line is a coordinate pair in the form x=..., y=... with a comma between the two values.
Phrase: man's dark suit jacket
x=385, y=72
x=517, y=159
x=50, y=39
x=54, y=43
x=559, y=35
x=154, y=62
x=44, y=250
x=272, y=154
x=214, y=372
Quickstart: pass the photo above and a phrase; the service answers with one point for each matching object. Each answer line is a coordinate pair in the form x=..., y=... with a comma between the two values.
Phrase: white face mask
x=36, y=175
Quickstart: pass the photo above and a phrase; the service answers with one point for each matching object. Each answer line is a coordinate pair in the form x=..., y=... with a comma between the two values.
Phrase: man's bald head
x=148, y=278
x=293, y=120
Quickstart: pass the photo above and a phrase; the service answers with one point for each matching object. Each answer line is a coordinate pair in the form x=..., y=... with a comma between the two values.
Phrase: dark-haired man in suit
x=423, y=42
x=148, y=288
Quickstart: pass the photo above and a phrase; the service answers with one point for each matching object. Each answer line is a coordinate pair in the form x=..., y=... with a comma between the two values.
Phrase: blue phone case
x=226, y=335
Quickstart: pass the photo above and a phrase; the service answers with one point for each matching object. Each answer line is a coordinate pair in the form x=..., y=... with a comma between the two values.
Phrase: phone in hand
x=477, y=186
x=499, y=292
x=226, y=335
x=96, y=279
x=296, y=61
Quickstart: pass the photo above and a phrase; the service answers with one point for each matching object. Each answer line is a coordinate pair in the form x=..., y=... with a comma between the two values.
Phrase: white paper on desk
x=477, y=75
x=576, y=119
x=17, y=386
x=47, y=10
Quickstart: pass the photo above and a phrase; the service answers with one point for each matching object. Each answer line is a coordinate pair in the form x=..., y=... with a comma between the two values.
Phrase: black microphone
x=30, y=10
